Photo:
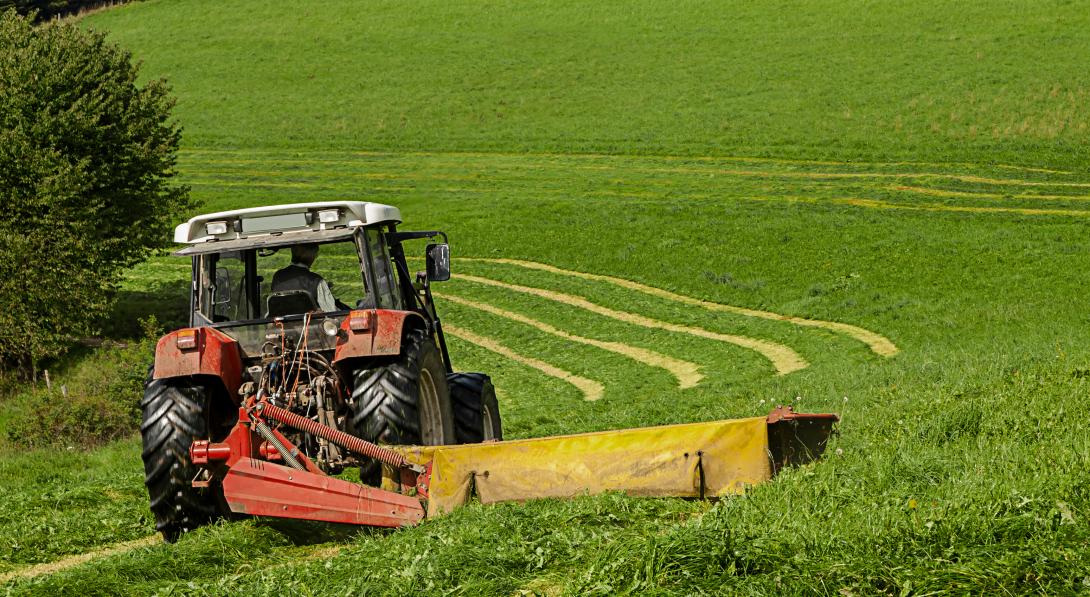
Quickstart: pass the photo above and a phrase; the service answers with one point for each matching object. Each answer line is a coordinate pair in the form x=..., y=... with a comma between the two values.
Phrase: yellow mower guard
x=689, y=460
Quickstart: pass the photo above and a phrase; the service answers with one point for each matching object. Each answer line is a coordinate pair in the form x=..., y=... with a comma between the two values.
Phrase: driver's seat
x=289, y=302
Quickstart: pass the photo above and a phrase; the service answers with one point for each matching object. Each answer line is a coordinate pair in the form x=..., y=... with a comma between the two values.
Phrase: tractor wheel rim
x=486, y=424
x=431, y=420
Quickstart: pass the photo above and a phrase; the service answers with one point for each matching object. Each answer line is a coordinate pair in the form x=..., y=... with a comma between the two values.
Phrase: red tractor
x=310, y=343
x=310, y=309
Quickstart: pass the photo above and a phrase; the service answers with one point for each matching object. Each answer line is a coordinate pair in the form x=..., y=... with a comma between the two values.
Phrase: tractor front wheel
x=406, y=401
x=175, y=413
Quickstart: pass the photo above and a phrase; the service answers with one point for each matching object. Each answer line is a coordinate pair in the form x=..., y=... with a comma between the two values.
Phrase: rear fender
x=381, y=338
x=215, y=355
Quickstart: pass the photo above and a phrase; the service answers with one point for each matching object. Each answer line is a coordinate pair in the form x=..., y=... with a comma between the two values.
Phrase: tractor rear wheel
x=476, y=411
x=403, y=402
x=175, y=413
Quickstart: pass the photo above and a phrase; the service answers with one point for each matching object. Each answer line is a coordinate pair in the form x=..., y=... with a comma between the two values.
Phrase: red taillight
x=359, y=321
x=186, y=339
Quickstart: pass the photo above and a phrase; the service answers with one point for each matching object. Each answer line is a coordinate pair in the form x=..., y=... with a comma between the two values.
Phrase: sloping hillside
x=709, y=178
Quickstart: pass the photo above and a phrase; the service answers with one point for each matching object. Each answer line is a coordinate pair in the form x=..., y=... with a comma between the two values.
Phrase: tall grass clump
x=94, y=402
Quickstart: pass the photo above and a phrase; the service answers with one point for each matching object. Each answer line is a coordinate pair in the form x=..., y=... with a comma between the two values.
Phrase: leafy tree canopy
x=86, y=160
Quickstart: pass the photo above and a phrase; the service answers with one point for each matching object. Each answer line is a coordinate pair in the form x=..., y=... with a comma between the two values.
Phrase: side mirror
x=438, y=262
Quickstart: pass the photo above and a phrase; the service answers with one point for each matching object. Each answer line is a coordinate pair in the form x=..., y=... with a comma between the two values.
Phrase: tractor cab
x=310, y=264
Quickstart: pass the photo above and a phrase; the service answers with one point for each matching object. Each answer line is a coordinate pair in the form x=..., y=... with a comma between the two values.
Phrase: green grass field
x=918, y=171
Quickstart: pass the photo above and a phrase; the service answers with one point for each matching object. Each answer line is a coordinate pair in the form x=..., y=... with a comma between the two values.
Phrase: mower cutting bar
x=262, y=488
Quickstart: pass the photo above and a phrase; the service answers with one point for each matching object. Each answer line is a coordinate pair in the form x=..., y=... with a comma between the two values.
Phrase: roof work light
x=217, y=227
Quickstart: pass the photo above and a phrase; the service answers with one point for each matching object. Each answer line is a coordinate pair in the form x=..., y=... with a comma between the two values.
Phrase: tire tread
x=468, y=392
x=174, y=416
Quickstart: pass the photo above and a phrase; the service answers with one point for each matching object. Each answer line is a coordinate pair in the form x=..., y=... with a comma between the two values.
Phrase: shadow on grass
x=308, y=532
x=167, y=301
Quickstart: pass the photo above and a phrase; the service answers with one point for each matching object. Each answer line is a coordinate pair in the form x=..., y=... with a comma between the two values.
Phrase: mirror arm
x=397, y=237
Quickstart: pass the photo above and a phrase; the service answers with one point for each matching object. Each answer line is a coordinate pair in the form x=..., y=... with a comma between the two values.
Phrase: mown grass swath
x=917, y=171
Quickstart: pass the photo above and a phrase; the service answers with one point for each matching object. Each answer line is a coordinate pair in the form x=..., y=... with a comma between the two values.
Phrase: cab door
x=384, y=281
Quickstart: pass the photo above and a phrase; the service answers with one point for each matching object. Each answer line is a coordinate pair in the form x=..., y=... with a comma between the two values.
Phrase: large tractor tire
x=175, y=413
x=476, y=411
x=406, y=401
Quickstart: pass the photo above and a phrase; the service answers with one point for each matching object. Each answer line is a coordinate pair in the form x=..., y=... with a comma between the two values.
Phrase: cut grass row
x=687, y=374
x=647, y=178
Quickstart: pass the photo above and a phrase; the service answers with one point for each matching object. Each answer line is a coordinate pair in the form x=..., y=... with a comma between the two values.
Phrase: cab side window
x=386, y=289
x=222, y=291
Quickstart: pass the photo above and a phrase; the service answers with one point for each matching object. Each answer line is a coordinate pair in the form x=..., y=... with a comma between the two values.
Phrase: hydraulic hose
x=342, y=439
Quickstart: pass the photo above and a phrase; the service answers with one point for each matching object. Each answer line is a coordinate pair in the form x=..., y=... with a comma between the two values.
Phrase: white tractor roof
x=281, y=220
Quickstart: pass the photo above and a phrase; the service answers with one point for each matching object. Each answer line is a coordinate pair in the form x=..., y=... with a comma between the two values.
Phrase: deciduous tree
x=87, y=156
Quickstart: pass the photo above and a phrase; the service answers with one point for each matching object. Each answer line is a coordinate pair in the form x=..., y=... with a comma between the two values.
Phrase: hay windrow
x=79, y=559
x=878, y=344
x=687, y=374
x=783, y=358
x=592, y=390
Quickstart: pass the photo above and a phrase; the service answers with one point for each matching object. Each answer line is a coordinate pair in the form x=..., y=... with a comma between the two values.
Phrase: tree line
x=47, y=9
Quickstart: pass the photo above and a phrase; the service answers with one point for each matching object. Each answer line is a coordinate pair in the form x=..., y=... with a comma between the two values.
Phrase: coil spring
x=342, y=439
